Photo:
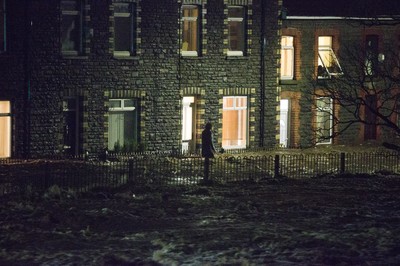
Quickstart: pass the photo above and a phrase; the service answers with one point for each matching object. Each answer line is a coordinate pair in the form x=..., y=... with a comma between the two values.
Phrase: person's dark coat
x=207, y=145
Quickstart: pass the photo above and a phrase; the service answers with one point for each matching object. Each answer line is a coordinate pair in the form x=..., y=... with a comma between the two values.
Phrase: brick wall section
x=157, y=74
x=345, y=35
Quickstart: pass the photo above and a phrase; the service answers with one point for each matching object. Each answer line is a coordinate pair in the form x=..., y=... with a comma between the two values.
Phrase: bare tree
x=365, y=91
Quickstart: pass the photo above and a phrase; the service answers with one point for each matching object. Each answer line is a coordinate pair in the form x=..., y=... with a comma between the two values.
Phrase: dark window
x=371, y=54
x=124, y=29
x=236, y=30
x=72, y=27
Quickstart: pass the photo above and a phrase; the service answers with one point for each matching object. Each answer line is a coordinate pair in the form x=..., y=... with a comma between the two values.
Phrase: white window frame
x=327, y=109
x=7, y=135
x=132, y=16
x=328, y=48
x=243, y=21
x=198, y=29
x=238, y=108
x=122, y=108
x=287, y=48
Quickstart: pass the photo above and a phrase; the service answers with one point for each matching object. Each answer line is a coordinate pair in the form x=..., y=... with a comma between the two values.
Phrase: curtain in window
x=234, y=122
x=5, y=129
x=287, y=57
x=190, y=28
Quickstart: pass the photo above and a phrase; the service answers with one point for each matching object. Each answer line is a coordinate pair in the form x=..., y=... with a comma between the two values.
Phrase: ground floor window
x=123, y=125
x=324, y=121
x=5, y=129
x=234, y=122
x=284, y=123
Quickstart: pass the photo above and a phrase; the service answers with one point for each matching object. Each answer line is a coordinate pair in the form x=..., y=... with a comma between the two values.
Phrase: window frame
x=124, y=108
x=133, y=30
x=236, y=108
x=8, y=135
x=371, y=65
x=80, y=14
x=198, y=29
x=243, y=21
x=324, y=110
x=285, y=48
x=335, y=61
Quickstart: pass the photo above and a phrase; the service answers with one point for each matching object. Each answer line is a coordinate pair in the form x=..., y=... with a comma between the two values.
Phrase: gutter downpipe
x=262, y=74
x=27, y=80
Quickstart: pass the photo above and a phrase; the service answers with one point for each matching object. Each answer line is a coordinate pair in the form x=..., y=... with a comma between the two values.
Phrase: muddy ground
x=326, y=221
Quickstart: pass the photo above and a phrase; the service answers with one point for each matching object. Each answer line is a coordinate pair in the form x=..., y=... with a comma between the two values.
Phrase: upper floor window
x=124, y=29
x=236, y=30
x=287, y=57
x=72, y=27
x=2, y=25
x=328, y=64
x=190, y=30
x=371, y=54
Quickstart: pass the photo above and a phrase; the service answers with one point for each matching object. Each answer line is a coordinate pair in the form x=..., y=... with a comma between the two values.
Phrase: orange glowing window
x=5, y=129
x=234, y=122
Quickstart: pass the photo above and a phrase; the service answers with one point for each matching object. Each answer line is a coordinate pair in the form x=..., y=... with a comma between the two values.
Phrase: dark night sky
x=359, y=8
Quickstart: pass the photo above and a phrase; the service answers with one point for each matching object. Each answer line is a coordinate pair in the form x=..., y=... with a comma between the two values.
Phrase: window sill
x=288, y=82
x=75, y=57
x=191, y=57
x=236, y=57
x=125, y=57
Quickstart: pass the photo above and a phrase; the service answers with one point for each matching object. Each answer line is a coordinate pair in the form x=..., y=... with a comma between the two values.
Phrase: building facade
x=322, y=43
x=87, y=76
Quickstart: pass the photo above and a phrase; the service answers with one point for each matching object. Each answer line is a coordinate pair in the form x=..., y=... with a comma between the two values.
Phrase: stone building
x=84, y=76
x=313, y=31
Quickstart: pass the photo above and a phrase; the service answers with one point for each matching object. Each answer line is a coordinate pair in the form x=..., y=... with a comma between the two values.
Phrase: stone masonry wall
x=157, y=75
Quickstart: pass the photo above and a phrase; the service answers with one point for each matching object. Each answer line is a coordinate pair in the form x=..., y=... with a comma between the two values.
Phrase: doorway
x=188, y=124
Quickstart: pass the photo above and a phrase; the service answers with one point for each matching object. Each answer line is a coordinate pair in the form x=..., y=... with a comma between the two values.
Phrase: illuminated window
x=324, y=120
x=287, y=57
x=236, y=30
x=124, y=29
x=5, y=129
x=3, y=25
x=72, y=27
x=328, y=65
x=123, y=125
x=234, y=122
x=190, y=30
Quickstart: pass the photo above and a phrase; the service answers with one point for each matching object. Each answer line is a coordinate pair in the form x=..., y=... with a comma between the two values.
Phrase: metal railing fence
x=81, y=175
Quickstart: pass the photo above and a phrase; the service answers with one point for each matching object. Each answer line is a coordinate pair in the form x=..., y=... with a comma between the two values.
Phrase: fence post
x=206, y=169
x=130, y=172
x=342, y=162
x=276, y=166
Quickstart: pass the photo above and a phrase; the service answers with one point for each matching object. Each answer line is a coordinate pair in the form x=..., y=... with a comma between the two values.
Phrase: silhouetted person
x=207, y=149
